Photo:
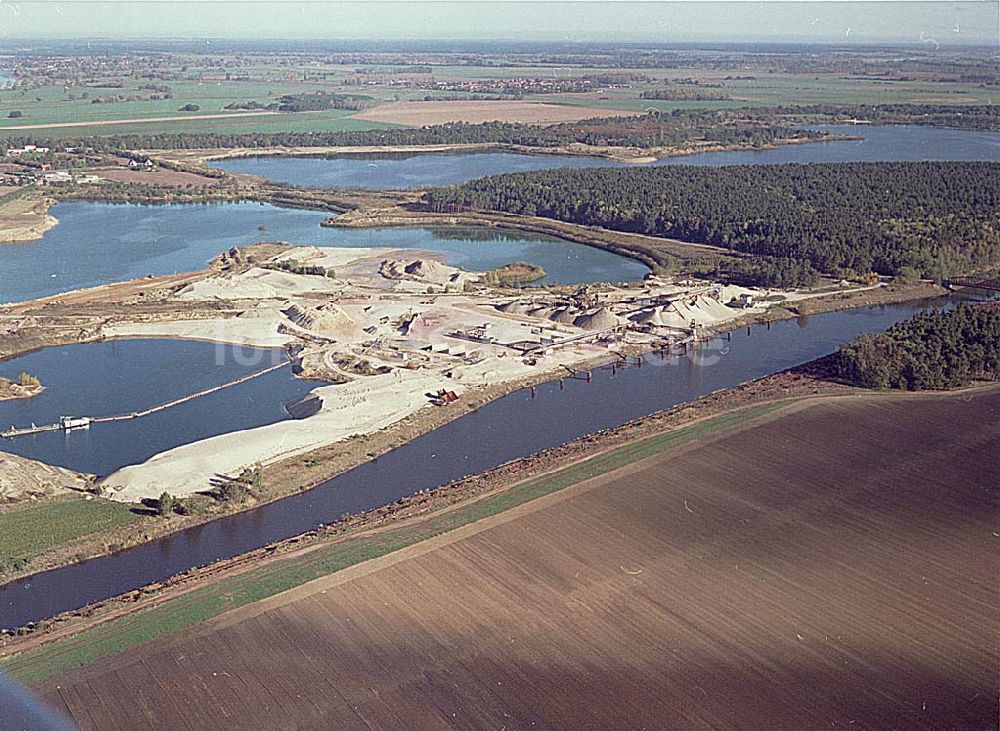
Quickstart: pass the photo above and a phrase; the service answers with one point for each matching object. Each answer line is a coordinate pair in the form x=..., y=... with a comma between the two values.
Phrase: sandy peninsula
x=25, y=219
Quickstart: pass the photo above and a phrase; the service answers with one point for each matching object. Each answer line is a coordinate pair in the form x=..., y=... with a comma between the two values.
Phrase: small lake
x=100, y=243
x=508, y=428
x=122, y=376
x=889, y=143
x=881, y=143
x=397, y=171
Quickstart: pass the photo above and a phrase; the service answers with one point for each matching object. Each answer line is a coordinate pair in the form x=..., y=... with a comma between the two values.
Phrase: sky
x=944, y=22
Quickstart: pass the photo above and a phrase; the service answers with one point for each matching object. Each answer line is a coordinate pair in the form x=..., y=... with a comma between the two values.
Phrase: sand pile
x=425, y=270
x=680, y=314
x=653, y=316
x=332, y=257
x=564, y=315
x=256, y=284
x=327, y=320
x=703, y=310
x=229, y=287
x=602, y=319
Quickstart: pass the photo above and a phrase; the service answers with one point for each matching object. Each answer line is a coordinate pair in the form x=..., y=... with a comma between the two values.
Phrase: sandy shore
x=29, y=232
x=25, y=218
x=360, y=407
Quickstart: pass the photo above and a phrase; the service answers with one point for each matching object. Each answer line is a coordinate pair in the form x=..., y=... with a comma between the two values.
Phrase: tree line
x=932, y=350
x=634, y=131
x=932, y=219
x=971, y=117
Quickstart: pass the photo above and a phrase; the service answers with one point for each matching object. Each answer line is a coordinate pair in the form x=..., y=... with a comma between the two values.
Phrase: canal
x=508, y=428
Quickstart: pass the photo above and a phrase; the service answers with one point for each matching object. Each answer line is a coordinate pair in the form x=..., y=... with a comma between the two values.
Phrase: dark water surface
x=895, y=143
x=511, y=427
x=123, y=376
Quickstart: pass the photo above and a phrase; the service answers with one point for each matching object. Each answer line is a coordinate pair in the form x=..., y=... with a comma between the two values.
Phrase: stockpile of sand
x=229, y=287
x=327, y=320
x=602, y=319
x=331, y=257
x=662, y=317
x=564, y=315
x=425, y=270
x=517, y=307
x=703, y=310
x=652, y=316
x=558, y=313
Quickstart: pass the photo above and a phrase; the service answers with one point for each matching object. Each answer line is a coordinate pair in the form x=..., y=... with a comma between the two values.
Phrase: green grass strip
x=202, y=604
x=26, y=532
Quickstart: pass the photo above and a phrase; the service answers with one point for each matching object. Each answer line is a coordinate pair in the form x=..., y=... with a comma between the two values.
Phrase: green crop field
x=50, y=105
x=28, y=531
x=300, y=122
x=201, y=604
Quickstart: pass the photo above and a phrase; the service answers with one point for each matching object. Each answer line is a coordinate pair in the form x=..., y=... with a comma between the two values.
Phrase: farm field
x=49, y=110
x=822, y=565
x=416, y=114
x=29, y=530
x=104, y=104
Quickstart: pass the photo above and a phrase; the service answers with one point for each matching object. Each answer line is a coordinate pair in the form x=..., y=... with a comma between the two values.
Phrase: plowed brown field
x=475, y=112
x=835, y=566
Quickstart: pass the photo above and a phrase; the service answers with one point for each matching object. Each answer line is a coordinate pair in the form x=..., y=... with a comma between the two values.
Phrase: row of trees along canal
x=928, y=219
x=743, y=127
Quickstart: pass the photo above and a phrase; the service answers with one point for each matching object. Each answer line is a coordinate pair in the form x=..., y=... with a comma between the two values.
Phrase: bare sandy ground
x=425, y=113
x=258, y=330
x=22, y=478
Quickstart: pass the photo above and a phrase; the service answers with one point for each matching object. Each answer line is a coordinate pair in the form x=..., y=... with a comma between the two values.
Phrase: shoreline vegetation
x=76, y=639
x=932, y=350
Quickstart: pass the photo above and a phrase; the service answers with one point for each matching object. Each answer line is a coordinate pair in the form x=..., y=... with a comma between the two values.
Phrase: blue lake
x=883, y=143
x=99, y=243
x=122, y=376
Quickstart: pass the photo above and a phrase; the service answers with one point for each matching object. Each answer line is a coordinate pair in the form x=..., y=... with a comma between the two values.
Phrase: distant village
x=38, y=165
